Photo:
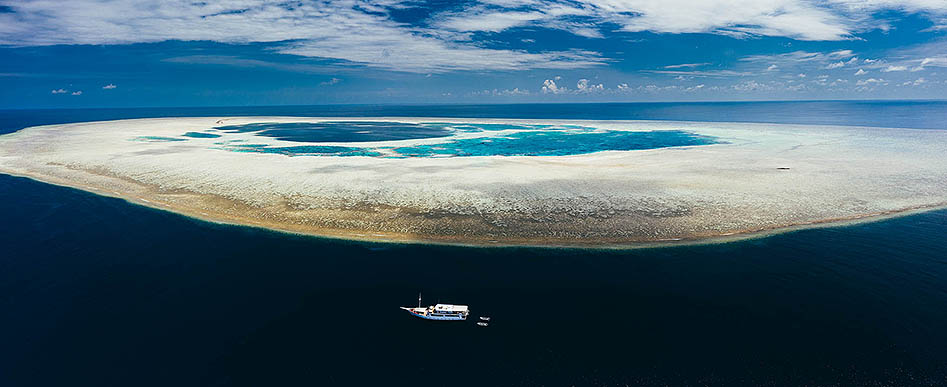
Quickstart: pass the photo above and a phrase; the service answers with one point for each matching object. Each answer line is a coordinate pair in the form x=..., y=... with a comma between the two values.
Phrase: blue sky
x=84, y=53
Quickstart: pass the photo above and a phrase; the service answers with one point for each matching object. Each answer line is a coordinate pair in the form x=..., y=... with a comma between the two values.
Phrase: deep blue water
x=96, y=291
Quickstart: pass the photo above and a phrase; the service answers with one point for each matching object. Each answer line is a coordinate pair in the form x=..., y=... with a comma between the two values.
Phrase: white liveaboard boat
x=446, y=312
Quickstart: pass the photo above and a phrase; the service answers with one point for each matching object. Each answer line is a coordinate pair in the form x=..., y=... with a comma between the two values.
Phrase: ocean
x=97, y=291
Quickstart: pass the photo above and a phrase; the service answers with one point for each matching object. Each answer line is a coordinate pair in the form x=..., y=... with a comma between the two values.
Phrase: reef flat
x=493, y=182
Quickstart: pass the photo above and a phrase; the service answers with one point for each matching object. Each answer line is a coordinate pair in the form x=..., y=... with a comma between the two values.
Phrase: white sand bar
x=612, y=198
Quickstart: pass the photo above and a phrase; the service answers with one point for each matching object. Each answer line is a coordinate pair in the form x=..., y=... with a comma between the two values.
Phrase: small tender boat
x=483, y=324
x=485, y=318
x=448, y=312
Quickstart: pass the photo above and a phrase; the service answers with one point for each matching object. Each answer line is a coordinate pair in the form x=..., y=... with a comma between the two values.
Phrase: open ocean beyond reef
x=95, y=291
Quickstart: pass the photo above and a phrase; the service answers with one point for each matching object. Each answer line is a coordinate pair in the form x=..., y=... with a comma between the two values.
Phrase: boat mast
x=419, y=299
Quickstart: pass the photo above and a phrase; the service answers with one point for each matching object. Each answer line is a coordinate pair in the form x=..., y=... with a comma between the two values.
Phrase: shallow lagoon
x=501, y=139
x=560, y=143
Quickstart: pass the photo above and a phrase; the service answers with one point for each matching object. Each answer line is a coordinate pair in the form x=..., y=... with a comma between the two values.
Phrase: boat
x=485, y=318
x=447, y=312
x=483, y=324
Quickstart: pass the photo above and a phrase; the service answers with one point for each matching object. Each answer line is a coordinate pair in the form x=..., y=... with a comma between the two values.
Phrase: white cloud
x=916, y=82
x=838, y=82
x=502, y=93
x=623, y=87
x=772, y=67
x=655, y=88
x=794, y=58
x=860, y=72
x=795, y=19
x=109, y=86
x=934, y=62
x=870, y=81
x=79, y=92
x=349, y=30
x=550, y=87
x=800, y=19
x=330, y=82
x=840, y=64
x=751, y=86
x=801, y=75
x=894, y=68
x=60, y=91
x=584, y=86
x=362, y=32
x=698, y=73
x=513, y=91
x=489, y=21
x=686, y=65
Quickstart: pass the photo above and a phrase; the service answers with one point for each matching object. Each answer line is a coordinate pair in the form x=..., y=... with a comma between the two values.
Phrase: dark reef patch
x=341, y=131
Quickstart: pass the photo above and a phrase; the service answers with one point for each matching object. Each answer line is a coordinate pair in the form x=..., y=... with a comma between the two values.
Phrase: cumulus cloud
x=895, y=68
x=860, y=72
x=584, y=86
x=916, y=82
x=550, y=87
x=79, y=92
x=841, y=64
x=60, y=91
x=772, y=67
x=109, y=86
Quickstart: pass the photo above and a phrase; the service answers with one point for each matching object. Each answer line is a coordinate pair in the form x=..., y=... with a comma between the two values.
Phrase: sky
x=120, y=53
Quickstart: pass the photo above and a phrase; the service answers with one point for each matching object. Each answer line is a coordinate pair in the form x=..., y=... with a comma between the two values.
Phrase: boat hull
x=441, y=318
x=437, y=316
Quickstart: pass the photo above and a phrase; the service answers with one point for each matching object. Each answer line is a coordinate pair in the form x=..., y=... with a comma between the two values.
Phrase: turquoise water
x=517, y=140
x=201, y=135
x=556, y=143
